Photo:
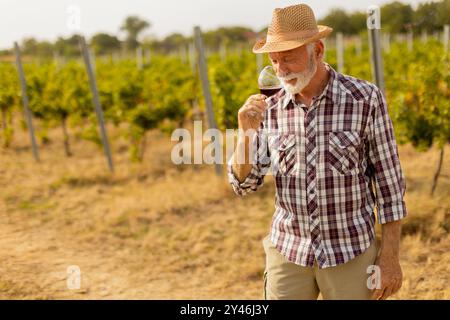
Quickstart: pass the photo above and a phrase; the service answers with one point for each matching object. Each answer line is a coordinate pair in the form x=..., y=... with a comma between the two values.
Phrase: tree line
x=396, y=17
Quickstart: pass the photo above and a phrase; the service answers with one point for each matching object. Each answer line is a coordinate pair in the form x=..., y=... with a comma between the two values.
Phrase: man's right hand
x=250, y=117
x=251, y=114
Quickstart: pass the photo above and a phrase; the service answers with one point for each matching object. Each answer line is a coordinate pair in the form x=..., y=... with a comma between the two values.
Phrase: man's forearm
x=390, y=238
x=241, y=159
x=389, y=262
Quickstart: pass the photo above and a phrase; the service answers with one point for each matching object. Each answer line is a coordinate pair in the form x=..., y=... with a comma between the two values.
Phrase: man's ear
x=319, y=49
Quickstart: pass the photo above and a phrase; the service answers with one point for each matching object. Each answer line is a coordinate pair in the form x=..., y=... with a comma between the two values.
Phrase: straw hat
x=291, y=27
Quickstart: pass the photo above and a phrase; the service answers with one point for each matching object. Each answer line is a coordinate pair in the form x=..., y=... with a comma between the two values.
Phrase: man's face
x=295, y=67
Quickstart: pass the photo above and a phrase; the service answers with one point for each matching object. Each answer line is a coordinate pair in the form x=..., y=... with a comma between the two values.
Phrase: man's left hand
x=391, y=276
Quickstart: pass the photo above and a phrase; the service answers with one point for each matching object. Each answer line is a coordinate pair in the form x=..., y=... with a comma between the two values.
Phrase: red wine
x=269, y=92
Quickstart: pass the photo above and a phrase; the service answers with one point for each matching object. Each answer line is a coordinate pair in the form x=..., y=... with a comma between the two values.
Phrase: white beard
x=303, y=78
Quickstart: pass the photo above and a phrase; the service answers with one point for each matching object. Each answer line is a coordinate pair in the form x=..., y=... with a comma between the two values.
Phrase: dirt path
x=35, y=261
x=35, y=256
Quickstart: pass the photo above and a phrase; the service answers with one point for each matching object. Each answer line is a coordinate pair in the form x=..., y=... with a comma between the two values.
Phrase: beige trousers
x=284, y=280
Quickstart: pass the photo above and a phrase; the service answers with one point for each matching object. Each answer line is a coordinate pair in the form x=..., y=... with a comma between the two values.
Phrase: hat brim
x=265, y=47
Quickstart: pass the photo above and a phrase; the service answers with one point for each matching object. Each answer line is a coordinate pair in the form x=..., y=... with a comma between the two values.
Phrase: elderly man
x=330, y=144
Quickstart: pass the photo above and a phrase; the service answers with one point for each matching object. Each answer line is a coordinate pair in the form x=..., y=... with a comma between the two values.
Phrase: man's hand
x=391, y=276
x=251, y=114
x=389, y=261
x=250, y=117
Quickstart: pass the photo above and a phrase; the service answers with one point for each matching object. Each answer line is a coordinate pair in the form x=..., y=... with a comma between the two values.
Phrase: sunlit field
x=154, y=230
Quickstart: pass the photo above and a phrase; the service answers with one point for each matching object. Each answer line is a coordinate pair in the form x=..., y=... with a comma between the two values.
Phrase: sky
x=48, y=19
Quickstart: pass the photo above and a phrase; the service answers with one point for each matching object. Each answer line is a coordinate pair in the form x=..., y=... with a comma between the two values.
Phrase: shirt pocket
x=284, y=154
x=343, y=151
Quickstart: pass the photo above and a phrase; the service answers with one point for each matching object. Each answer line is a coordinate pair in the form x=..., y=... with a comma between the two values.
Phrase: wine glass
x=268, y=82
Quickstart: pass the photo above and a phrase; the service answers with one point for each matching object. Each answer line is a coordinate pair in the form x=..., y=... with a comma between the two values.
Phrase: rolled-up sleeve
x=260, y=165
x=388, y=178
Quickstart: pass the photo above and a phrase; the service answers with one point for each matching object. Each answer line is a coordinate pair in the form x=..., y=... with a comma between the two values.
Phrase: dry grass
x=159, y=231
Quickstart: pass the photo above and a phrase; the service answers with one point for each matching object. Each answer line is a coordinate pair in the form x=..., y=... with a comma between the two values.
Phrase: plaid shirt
x=332, y=163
